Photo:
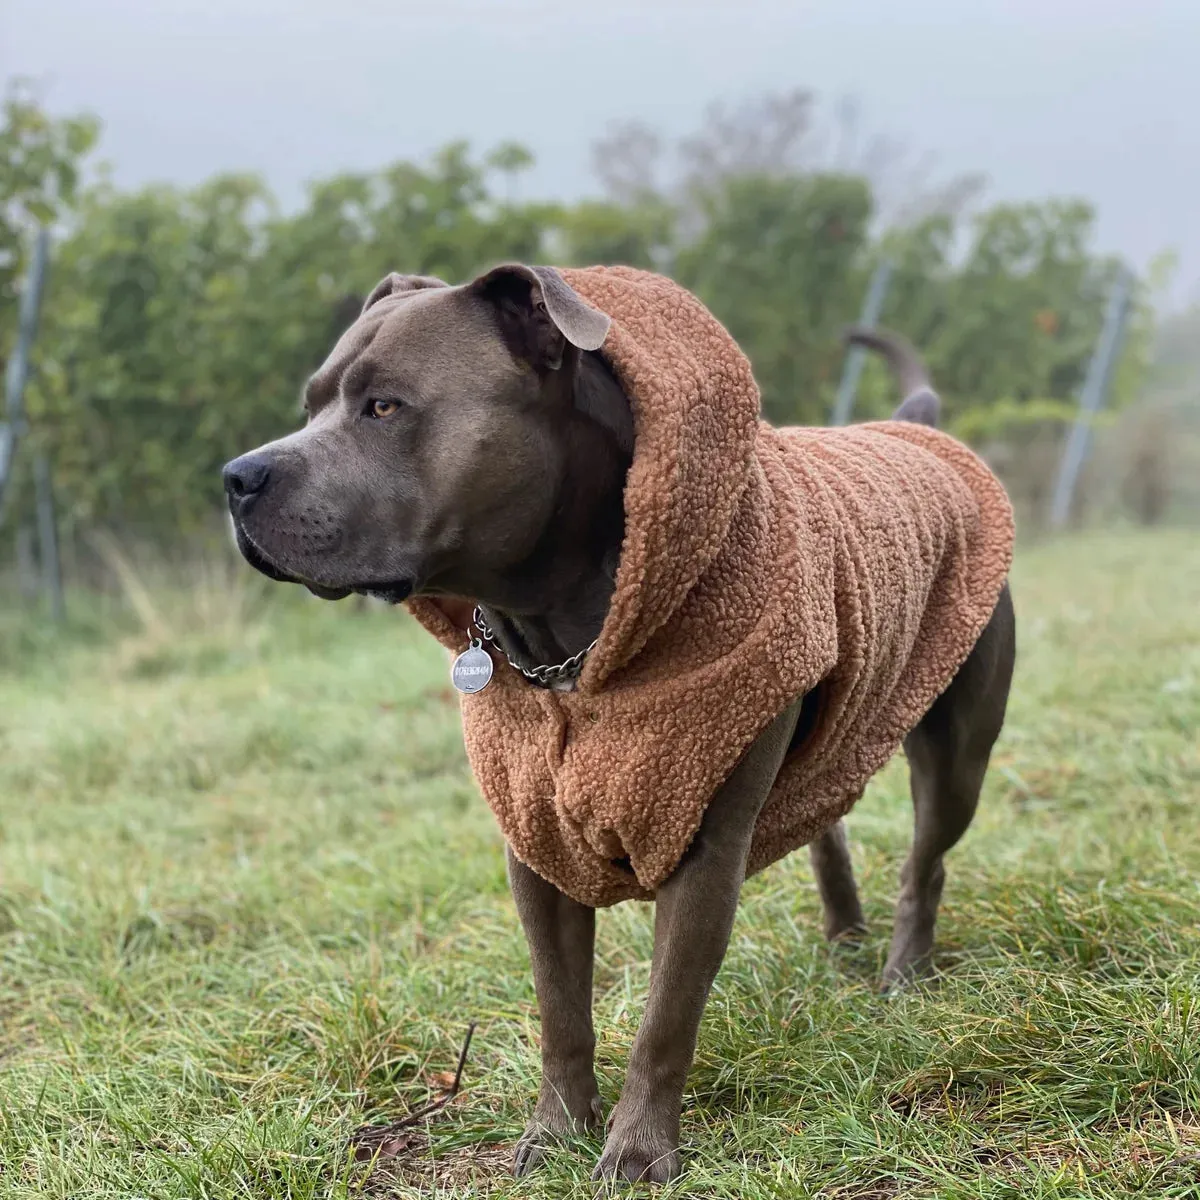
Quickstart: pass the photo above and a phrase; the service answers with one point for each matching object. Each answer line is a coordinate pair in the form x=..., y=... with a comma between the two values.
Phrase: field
x=250, y=901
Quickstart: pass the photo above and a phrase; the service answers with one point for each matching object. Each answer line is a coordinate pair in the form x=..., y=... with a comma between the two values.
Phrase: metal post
x=17, y=372
x=852, y=369
x=48, y=537
x=1095, y=390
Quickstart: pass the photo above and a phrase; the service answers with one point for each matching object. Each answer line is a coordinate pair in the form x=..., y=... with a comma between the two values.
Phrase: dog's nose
x=246, y=476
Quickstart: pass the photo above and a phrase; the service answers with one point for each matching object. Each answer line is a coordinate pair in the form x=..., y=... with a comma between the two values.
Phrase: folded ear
x=540, y=313
x=389, y=285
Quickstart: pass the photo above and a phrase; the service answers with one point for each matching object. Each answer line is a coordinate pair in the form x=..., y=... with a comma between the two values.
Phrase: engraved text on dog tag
x=472, y=669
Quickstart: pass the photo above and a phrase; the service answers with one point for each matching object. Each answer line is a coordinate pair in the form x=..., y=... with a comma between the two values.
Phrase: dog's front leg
x=561, y=936
x=692, y=922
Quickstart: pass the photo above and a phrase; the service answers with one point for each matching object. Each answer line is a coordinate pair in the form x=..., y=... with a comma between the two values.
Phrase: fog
x=1075, y=98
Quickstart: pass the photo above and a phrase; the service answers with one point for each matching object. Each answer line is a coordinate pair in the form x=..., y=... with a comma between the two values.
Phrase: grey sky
x=1099, y=98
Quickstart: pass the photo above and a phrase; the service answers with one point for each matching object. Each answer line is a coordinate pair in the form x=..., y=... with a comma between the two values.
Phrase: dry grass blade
x=136, y=592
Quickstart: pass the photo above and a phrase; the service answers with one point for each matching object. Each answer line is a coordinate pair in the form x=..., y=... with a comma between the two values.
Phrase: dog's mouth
x=395, y=592
x=258, y=558
x=392, y=591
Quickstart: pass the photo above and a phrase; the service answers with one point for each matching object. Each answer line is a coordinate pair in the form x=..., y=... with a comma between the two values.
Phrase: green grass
x=249, y=901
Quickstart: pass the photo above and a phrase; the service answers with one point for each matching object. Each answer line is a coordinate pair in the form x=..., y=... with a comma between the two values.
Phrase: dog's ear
x=389, y=285
x=540, y=313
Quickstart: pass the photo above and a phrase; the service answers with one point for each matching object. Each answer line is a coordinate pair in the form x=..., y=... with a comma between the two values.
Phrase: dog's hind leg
x=830, y=858
x=948, y=755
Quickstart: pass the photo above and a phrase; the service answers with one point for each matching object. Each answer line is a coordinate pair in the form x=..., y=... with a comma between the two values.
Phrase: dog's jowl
x=686, y=639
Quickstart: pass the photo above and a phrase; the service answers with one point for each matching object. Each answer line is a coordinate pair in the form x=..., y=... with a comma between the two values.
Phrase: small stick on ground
x=387, y=1140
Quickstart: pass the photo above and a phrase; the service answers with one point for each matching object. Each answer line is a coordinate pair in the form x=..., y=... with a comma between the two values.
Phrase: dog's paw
x=900, y=974
x=909, y=962
x=543, y=1131
x=638, y=1154
x=847, y=929
x=531, y=1149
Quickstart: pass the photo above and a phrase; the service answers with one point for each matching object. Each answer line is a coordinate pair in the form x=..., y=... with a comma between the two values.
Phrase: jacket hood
x=695, y=413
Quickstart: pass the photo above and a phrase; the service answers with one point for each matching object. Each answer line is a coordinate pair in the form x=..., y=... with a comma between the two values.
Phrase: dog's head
x=433, y=447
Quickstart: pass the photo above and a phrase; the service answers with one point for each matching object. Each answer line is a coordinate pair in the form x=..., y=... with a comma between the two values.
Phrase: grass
x=249, y=901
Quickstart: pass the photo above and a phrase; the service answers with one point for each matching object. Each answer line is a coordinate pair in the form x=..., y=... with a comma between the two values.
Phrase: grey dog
x=461, y=442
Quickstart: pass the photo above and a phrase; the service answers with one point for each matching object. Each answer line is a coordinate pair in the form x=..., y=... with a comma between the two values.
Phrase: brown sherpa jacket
x=758, y=564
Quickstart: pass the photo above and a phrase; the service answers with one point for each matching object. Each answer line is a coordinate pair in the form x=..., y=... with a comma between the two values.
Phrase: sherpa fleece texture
x=758, y=564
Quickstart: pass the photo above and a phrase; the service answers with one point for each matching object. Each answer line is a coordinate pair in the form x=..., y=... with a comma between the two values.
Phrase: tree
x=778, y=262
x=182, y=323
x=600, y=232
x=511, y=159
x=627, y=161
x=40, y=161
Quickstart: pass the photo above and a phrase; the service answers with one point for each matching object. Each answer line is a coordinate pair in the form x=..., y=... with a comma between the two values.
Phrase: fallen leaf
x=384, y=1140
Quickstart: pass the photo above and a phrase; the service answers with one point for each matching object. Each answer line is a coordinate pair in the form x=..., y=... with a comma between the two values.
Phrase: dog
x=471, y=443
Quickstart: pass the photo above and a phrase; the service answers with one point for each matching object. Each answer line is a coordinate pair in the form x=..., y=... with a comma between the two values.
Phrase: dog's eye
x=381, y=408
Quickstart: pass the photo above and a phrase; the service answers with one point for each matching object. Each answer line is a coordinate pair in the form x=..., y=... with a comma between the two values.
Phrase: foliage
x=181, y=324
x=1010, y=323
x=39, y=173
x=778, y=262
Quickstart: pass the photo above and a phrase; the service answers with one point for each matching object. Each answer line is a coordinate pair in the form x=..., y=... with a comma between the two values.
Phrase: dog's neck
x=554, y=604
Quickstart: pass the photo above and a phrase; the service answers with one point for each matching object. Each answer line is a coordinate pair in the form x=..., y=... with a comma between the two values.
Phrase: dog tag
x=472, y=669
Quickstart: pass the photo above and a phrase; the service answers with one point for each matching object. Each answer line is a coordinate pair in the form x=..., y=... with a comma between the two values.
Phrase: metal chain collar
x=544, y=675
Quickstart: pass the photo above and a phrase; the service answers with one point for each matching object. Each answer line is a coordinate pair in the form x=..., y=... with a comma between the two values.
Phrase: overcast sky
x=1099, y=98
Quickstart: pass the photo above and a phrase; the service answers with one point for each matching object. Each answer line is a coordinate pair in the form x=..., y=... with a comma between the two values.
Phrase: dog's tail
x=920, y=404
